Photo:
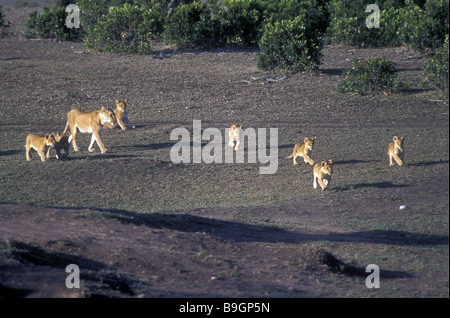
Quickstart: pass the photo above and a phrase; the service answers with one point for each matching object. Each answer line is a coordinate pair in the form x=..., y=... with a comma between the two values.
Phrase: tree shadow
x=10, y=152
x=379, y=185
x=427, y=163
x=245, y=232
x=332, y=71
x=349, y=162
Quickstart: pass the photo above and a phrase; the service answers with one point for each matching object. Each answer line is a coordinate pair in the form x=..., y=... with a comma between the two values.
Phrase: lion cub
x=40, y=144
x=121, y=116
x=303, y=150
x=62, y=143
x=396, y=151
x=322, y=173
x=233, y=133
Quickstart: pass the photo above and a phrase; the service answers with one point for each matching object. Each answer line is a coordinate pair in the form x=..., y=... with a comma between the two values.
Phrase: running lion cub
x=396, y=151
x=303, y=150
x=40, y=144
x=233, y=133
x=322, y=174
x=121, y=116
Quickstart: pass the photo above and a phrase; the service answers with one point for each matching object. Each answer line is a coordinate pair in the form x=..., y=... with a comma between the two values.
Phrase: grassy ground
x=149, y=227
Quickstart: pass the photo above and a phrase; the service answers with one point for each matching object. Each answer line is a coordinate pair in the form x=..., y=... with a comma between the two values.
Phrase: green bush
x=427, y=28
x=418, y=24
x=315, y=13
x=289, y=45
x=124, y=29
x=51, y=23
x=369, y=76
x=348, y=23
x=437, y=70
x=191, y=26
x=239, y=24
x=2, y=20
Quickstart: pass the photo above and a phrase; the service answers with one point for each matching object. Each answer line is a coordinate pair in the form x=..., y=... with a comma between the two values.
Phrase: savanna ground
x=138, y=225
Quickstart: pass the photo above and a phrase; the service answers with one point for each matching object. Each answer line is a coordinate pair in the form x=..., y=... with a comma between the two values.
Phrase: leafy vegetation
x=437, y=69
x=289, y=45
x=369, y=76
x=51, y=24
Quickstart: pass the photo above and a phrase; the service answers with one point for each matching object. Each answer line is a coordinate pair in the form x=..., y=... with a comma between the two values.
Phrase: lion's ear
x=395, y=138
x=323, y=163
x=117, y=101
x=124, y=100
x=330, y=161
x=103, y=108
x=305, y=140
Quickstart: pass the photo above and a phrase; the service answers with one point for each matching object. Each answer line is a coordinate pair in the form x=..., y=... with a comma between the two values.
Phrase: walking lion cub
x=303, y=150
x=322, y=174
x=233, y=133
x=61, y=143
x=396, y=151
x=40, y=144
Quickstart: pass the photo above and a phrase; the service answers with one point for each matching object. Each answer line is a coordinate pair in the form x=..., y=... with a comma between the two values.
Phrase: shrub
x=289, y=45
x=124, y=29
x=2, y=20
x=437, y=69
x=348, y=23
x=240, y=22
x=426, y=28
x=369, y=76
x=51, y=23
x=418, y=24
x=315, y=13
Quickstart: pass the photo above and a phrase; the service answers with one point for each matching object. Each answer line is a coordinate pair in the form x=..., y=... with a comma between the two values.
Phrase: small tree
x=125, y=29
x=290, y=45
x=51, y=23
x=437, y=69
x=369, y=76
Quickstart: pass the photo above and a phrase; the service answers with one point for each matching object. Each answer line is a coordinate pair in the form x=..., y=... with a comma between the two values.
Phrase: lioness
x=92, y=122
x=40, y=144
x=62, y=143
x=303, y=150
x=396, y=151
x=121, y=116
x=322, y=173
x=233, y=133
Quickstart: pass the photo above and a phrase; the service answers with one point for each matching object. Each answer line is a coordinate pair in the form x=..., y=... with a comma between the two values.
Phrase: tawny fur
x=322, y=174
x=85, y=122
x=40, y=144
x=396, y=151
x=234, y=136
x=121, y=115
x=303, y=150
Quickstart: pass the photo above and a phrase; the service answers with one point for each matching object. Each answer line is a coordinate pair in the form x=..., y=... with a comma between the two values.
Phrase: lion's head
x=398, y=142
x=49, y=140
x=309, y=143
x=326, y=168
x=107, y=116
x=121, y=105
